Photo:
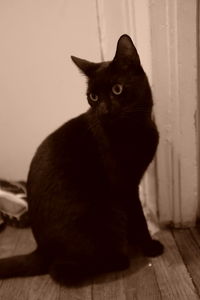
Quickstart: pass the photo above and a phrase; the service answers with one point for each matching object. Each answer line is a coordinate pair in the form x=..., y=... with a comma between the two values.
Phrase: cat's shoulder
x=64, y=136
x=70, y=129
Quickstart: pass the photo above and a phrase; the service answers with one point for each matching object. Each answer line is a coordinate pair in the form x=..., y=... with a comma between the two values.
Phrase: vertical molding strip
x=101, y=27
x=187, y=70
x=174, y=54
x=198, y=91
x=160, y=84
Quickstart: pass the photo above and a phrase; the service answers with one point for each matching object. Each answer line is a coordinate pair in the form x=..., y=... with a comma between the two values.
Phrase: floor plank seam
x=194, y=238
x=197, y=244
x=156, y=279
x=185, y=263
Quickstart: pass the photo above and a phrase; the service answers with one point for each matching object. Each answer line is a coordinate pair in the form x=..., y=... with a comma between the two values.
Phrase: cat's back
x=64, y=161
x=61, y=143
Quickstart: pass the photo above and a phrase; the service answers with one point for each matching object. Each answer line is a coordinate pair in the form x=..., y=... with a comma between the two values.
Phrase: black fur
x=83, y=181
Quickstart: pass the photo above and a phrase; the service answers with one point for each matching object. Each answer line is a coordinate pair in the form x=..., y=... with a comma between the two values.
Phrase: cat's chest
x=134, y=148
x=133, y=140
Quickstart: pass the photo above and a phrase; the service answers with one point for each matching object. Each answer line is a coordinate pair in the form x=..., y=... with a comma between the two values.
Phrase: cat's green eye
x=93, y=97
x=117, y=89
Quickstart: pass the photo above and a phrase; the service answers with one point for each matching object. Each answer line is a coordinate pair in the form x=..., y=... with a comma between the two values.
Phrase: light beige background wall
x=40, y=88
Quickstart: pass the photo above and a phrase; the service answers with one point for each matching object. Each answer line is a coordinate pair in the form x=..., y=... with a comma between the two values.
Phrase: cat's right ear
x=85, y=66
x=126, y=50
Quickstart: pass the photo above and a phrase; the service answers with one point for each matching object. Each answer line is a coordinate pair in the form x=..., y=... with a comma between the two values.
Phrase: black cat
x=83, y=181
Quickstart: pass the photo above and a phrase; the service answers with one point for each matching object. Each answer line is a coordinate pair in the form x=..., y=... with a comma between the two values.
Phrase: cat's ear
x=85, y=66
x=126, y=49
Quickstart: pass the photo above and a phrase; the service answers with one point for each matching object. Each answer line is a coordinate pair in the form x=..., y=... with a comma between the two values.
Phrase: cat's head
x=119, y=86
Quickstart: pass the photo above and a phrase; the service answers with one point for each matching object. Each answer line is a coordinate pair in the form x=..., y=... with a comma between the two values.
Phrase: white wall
x=40, y=88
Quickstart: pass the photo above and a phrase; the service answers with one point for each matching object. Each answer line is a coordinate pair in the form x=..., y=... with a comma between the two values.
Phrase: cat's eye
x=93, y=97
x=117, y=89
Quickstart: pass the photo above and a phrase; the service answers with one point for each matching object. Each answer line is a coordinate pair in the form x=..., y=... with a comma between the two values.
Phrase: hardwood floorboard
x=79, y=293
x=140, y=280
x=174, y=275
x=190, y=251
x=38, y=287
x=195, y=232
x=173, y=278
x=8, y=241
x=109, y=286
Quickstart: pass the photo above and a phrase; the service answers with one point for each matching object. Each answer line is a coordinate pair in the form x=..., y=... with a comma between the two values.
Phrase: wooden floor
x=174, y=275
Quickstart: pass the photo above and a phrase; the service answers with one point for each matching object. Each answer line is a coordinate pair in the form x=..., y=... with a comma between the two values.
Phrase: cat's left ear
x=126, y=49
x=85, y=66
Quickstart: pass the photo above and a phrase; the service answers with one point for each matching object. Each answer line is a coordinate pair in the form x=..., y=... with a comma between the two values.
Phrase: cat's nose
x=103, y=108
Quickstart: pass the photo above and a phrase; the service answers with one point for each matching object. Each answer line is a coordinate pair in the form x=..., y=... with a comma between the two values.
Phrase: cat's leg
x=112, y=244
x=110, y=253
x=75, y=272
x=114, y=262
x=70, y=272
x=138, y=230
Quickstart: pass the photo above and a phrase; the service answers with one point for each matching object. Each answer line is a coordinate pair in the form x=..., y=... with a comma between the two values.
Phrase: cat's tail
x=23, y=265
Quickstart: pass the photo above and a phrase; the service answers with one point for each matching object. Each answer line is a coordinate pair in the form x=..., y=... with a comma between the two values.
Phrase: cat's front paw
x=153, y=248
